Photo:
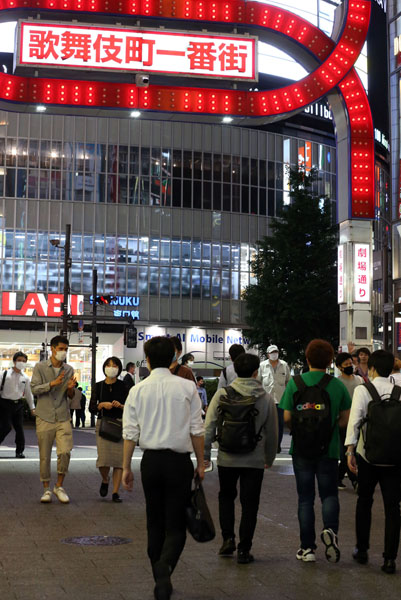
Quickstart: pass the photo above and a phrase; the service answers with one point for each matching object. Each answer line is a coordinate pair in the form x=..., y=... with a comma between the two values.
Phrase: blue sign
x=125, y=302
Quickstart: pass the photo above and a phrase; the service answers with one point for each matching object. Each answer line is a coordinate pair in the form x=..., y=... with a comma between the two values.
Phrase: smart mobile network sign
x=124, y=49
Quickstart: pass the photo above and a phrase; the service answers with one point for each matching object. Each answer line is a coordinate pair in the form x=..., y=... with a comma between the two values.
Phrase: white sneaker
x=46, y=496
x=307, y=555
x=330, y=540
x=61, y=494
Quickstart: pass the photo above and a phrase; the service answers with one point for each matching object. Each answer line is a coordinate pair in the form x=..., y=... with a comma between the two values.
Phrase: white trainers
x=46, y=496
x=307, y=555
x=61, y=494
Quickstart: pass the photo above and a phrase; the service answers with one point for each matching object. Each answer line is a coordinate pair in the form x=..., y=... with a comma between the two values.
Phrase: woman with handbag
x=108, y=404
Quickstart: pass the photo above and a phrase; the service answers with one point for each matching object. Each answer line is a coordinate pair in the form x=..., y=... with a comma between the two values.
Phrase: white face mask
x=61, y=355
x=190, y=363
x=111, y=372
x=273, y=356
x=20, y=365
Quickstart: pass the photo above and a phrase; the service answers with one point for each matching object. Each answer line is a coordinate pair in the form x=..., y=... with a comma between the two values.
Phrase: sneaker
x=307, y=555
x=341, y=485
x=61, y=494
x=388, y=566
x=19, y=455
x=228, y=548
x=244, y=557
x=46, y=496
x=329, y=539
x=361, y=556
x=116, y=497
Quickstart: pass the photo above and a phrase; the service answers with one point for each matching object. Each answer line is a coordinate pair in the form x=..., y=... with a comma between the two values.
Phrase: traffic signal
x=130, y=336
x=103, y=299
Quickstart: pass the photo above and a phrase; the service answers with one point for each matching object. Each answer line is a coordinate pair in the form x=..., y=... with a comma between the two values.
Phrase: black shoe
x=104, y=488
x=163, y=590
x=388, y=566
x=244, y=557
x=355, y=485
x=228, y=548
x=19, y=455
x=341, y=485
x=361, y=556
x=116, y=497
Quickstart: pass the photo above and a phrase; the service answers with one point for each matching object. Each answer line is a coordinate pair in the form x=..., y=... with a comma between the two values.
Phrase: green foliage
x=294, y=299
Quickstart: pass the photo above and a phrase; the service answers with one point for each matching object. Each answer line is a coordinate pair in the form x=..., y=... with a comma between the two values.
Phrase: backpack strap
x=3, y=380
x=395, y=393
x=373, y=391
x=324, y=382
x=176, y=369
x=225, y=373
x=299, y=382
x=231, y=393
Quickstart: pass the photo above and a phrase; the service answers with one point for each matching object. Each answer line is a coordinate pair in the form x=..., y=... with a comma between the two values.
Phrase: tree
x=294, y=298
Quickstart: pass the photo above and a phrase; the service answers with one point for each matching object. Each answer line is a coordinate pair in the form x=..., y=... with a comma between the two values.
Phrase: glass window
x=132, y=250
x=205, y=283
x=177, y=163
x=217, y=196
x=143, y=281
x=165, y=251
x=207, y=166
x=164, y=281
x=177, y=192
x=206, y=251
x=76, y=248
x=123, y=159
x=10, y=182
x=111, y=249
x=175, y=252
x=186, y=282
x=175, y=282
x=216, y=255
x=132, y=280
x=245, y=171
x=225, y=284
x=235, y=256
x=207, y=195
x=225, y=255
x=216, y=284
x=227, y=168
x=186, y=253
x=153, y=281
x=134, y=160
x=145, y=161
x=187, y=164
x=197, y=194
x=187, y=193
x=196, y=283
x=98, y=252
x=11, y=152
x=245, y=199
x=217, y=167
x=227, y=197
x=143, y=250
x=154, y=251
x=22, y=153
x=197, y=165
x=196, y=254
x=234, y=285
x=22, y=189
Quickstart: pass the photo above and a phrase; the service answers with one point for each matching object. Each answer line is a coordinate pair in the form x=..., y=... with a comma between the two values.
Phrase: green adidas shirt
x=340, y=400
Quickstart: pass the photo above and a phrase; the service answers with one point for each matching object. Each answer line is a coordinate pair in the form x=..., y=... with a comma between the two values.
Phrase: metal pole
x=94, y=328
x=67, y=267
x=385, y=290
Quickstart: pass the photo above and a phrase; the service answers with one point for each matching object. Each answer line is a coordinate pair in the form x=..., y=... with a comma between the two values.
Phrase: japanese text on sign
x=362, y=272
x=48, y=44
x=340, y=274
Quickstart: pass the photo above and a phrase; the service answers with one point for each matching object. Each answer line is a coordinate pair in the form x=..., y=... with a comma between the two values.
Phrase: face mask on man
x=111, y=372
x=20, y=365
x=273, y=355
x=348, y=370
x=61, y=355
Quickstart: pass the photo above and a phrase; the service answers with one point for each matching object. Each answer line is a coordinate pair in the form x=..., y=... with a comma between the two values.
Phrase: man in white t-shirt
x=163, y=415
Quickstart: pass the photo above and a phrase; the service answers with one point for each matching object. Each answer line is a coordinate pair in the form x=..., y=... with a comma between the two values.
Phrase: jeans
x=326, y=472
x=250, y=486
x=166, y=480
x=12, y=415
x=389, y=479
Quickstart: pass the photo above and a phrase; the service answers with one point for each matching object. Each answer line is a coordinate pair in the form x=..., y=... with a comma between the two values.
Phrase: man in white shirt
x=274, y=375
x=15, y=385
x=228, y=374
x=163, y=415
x=380, y=365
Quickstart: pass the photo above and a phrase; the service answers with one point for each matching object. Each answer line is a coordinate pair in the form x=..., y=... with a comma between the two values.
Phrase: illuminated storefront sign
x=362, y=272
x=39, y=304
x=340, y=274
x=126, y=49
x=124, y=304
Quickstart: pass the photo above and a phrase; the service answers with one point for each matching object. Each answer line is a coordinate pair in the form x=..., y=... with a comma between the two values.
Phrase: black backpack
x=382, y=439
x=236, y=431
x=311, y=425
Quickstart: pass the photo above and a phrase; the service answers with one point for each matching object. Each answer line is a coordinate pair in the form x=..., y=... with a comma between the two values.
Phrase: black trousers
x=389, y=479
x=12, y=415
x=250, y=485
x=343, y=465
x=166, y=479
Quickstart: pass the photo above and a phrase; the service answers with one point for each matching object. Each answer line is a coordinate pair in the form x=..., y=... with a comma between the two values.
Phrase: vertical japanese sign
x=340, y=274
x=125, y=49
x=361, y=272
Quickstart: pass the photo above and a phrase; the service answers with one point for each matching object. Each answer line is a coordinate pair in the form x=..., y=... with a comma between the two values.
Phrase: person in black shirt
x=129, y=379
x=109, y=399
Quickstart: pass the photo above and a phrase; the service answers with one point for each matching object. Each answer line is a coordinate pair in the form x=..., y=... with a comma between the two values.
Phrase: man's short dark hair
x=246, y=364
x=364, y=350
x=160, y=351
x=382, y=361
x=177, y=343
x=116, y=361
x=59, y=339
x=199, y=377
x=18, y=355
x=129, y=365
x=236, y=350
x=342, y=357
x=319, y=353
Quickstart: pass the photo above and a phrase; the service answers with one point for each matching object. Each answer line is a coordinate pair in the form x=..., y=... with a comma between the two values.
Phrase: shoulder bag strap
x=372, y=390
x=3, y=380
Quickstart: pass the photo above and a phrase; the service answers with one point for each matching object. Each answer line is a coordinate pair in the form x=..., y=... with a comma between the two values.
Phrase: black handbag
x=111, y=428
x=199, y=520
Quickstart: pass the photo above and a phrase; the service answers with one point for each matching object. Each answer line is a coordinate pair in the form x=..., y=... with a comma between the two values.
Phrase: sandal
x=104, y=488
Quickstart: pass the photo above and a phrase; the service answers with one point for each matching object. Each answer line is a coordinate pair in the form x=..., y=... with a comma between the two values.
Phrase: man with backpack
x=315, y=406
x=243, y=419
x=374, y=430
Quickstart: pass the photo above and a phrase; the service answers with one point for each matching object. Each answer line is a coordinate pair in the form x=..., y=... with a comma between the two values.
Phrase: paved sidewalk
x=36, y=565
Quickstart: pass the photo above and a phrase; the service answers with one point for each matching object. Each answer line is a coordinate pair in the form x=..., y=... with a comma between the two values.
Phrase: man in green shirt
x=319, y=355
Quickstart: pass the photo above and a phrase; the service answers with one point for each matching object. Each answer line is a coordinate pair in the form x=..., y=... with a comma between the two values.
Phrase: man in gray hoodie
x=247, y=467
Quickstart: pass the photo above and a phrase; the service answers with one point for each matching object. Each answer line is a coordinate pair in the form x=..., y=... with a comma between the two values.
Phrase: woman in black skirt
x=109, y=399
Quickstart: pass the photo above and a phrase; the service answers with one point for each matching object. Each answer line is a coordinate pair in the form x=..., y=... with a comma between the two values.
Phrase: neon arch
x=330, y=61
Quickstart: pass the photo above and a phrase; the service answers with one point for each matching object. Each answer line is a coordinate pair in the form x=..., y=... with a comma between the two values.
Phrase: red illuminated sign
x=37, y=303
x=126, y=49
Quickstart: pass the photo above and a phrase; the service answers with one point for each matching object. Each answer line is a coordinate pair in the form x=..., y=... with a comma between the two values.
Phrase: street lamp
x=67, y=267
